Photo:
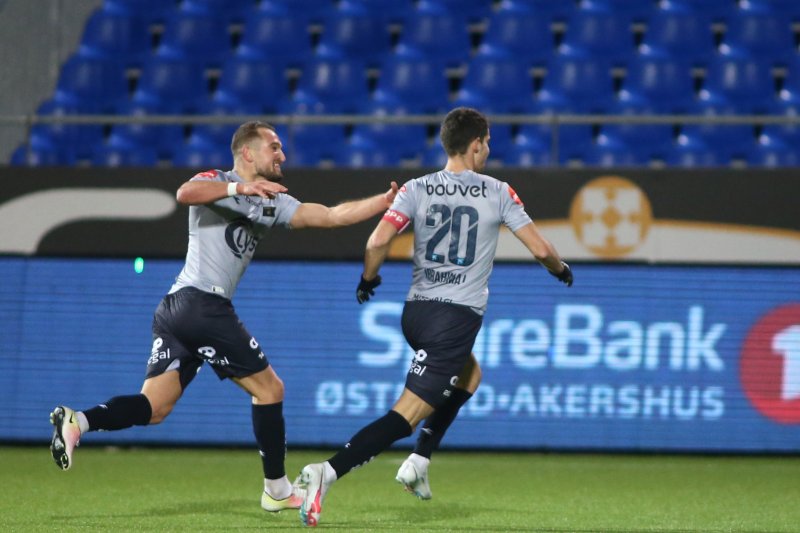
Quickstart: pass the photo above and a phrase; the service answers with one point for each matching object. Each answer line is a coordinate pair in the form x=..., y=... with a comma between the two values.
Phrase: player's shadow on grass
x=242, y=507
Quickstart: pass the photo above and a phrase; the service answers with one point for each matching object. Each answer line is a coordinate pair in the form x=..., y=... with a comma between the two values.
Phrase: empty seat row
x=694, y=146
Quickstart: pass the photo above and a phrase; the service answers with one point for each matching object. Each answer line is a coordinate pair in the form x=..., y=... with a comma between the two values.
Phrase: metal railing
x=555, y=121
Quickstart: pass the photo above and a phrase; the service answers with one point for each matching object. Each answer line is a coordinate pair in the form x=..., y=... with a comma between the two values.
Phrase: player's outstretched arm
x=374, y=256
x=544, y=252
x=198, y=192
x=309, y=215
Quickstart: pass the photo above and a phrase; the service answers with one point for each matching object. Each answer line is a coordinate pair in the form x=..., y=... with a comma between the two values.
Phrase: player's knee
x=271, y=391
x=160, y=413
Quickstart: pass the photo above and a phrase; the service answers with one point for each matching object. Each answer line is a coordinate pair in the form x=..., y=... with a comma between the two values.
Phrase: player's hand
x=262, y=188
x=390, y=194
x=366, y=288
x=565, y=276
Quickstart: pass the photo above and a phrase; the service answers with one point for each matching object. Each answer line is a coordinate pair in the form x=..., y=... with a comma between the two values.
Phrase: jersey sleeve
x=208, y=175
x=400, y=213
x=512, y=210
x=285, y=206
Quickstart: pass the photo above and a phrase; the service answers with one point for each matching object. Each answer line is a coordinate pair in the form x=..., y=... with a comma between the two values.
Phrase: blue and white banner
x=632, y=357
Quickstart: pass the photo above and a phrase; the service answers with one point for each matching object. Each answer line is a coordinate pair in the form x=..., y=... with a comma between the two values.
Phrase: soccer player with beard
x=457, y=214
x=196, y=322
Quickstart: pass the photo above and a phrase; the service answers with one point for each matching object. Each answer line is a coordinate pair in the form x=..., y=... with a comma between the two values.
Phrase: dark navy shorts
x=442, y=336
x=191, y=327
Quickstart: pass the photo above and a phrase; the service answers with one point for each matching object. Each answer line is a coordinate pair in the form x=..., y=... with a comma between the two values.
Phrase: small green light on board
x=138, y=265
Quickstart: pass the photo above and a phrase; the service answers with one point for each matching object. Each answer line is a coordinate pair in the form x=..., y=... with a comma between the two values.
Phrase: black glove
x=366, y=288
x=565, y=276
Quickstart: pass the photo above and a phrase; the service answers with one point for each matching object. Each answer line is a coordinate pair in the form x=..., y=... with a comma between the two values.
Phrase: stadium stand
x=390, y=58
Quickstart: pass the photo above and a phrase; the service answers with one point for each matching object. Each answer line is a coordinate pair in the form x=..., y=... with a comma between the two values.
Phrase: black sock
x=270, y=431
x=120, y=412
x=370, y=441
x=436, y=425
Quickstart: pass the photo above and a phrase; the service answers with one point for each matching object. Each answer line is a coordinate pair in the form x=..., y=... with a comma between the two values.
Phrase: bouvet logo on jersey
x=41, y=212
x=770, y=364
x=453, y=189
x=239, y=237
x=611, y=216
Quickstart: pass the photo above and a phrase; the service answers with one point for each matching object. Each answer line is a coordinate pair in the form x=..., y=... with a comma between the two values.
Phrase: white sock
x=278, y=488
x=83, y=424
x=419, y=461
x=328, y=473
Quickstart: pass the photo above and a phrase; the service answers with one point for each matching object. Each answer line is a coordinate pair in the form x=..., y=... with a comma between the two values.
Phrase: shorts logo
x=156, y=354
x=416, y=365
x=239, y=237
x=253, y=343
x=454, y=381
x=207, y=351
x=770, y=365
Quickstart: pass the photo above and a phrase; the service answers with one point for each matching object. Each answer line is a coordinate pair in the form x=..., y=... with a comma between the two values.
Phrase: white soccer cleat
x=66, y=436
x=293, y=501
x=312, y=479
x=414, y=480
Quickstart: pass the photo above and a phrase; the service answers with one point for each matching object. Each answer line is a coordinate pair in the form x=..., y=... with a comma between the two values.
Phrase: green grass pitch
x=178, y=489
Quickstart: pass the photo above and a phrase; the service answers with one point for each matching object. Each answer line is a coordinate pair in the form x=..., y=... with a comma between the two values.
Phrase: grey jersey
x=223, y=236
x=457, y=220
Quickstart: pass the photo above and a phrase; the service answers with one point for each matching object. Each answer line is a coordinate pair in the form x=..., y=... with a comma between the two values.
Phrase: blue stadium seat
x=163, y=138
x=496, y=81
x=501, y=139
x=222, y=132
x=611, y=151
x=548, y=9
x=202, y=152
x=529, y=150
x=122, y=152
x=571, y=140
x=78, y=140
x=150, y=11
x=251, y=82
x=41, y=151
x=475, y=10
x=171, y=84
x=693, y=152
x=390, y=11
x=434, y=157
x=310, y=144
x=407, y=140
x=409, y=79
x=277, y=33
x=439, y=33
x=599, y=31
x=740, y=85
x=789, y=8
x=523, y=31
x=727, y=141
x=773, y=151
x=578, y=84
x=680, y=31
x=116, y=33
x=196, y=33
x=759, y=32
x=91, y=83
x=340, y=83
x=357, y=32
x=789, y=95
x=659, y=83
x=231, y=11
x=634, y=10
x=649, y=141
x=361, y=151
x=718, y=10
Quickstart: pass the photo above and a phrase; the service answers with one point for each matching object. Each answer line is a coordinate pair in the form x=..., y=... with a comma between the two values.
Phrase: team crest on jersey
x=514, y=196
x=240, y=238
x=403, y=189
x=207, y=174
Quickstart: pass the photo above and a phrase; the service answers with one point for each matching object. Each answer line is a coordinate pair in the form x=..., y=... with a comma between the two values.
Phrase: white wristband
x=232, y=188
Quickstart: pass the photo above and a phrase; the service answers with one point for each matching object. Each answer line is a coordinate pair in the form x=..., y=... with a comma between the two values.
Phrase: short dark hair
x=248, y=132
x=460, y=127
